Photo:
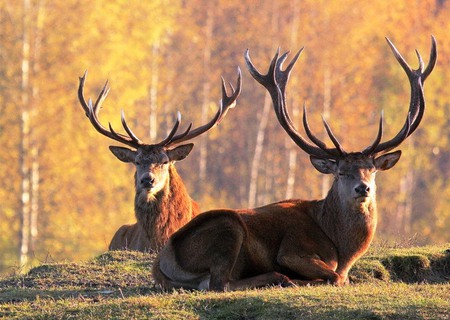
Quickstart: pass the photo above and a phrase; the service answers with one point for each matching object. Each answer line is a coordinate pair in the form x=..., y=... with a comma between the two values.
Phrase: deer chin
x=356, y=203
x=362, y=199
x=363, y=203
x=147, y=194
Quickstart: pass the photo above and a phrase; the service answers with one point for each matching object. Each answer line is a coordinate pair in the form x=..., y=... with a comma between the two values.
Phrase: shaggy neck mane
x=350, y=226
x=162, y=214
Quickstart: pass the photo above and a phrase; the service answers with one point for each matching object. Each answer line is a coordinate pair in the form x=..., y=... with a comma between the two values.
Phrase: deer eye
x=345, y=175
x=163, y=163
x=137, y=163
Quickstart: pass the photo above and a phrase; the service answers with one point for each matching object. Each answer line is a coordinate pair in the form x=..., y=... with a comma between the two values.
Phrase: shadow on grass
x=304, y=308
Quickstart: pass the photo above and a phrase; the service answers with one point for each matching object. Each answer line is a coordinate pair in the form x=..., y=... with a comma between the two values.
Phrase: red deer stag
x=310, y=242
x=162, y=204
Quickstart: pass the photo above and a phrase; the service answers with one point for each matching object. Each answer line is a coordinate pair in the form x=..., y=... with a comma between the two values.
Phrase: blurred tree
x=10, y=53
x=165, y=56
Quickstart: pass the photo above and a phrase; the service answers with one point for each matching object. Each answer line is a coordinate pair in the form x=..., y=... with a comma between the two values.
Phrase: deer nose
x=147, y=182
x=362, y=190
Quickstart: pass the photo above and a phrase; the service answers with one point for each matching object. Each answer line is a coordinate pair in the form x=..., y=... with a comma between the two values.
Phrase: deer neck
x=351, y=227
x=163, y=213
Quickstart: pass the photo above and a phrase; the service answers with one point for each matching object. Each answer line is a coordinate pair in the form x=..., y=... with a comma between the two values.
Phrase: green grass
x=411, y=283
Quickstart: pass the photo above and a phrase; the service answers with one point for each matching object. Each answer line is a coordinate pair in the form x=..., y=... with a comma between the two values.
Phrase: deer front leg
x=262, y=280
x=311, y=265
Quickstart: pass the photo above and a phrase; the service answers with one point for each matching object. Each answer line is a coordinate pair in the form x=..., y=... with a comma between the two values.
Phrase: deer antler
x=92, y=113
x=275, y=82
x=226, y=103
x=417, y=101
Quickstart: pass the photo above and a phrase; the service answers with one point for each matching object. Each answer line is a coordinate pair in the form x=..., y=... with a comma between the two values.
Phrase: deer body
x=293, y=241
x=162, y=204
x=307, y=240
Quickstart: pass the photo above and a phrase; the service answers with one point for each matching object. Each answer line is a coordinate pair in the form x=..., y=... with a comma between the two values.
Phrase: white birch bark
x=292, y=158
x=404, y=207
x=34, y=205
x=25, y=197
x=206, y=94
x=253, y=187
x=326, y=113
x=35, y=166
x=154, y=92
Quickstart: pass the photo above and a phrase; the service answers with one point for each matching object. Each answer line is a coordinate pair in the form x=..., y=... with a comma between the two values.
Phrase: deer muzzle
x=362, y=190
x=147, y=181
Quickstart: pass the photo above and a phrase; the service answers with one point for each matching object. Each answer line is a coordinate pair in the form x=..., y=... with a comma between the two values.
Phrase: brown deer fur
x=157, y=216
x=293, y=241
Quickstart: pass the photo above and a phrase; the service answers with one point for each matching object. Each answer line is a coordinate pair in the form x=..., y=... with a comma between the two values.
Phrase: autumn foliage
x=63, y=194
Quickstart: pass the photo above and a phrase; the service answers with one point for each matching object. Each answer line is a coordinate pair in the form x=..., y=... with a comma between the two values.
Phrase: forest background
x=63, y=194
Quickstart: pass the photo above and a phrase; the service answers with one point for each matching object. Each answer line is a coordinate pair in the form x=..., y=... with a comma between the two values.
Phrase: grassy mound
x=429, y=264
x=411, y=283
x=112, y=274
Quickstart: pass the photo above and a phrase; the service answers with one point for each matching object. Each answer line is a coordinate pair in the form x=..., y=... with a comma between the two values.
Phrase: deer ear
x=180, y=152
x=387, y=161
x=323, y=165
x=123, y=154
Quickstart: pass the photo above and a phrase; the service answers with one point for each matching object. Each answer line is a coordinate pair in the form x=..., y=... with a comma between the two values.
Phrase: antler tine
x=333, y=138
x=283, y=77
x=172, y=132
x=229, y=102
x=417, y=101
x=308, y=131
x=275, y=82
x=92, y=113
x=377, y=140
x=432, y=59
x=81, y=98
x=267, y=80
x=403, y=134
x=101, y=97
x=226, y=103
x=128, y=130
x=286, y=123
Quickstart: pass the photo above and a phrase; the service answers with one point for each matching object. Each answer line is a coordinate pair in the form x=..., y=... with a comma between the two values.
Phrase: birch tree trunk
x=25, y=186
x=206, y=95
x=35, y=167
x=266, y=196
x=25, y=203
x=154, y=92
x=34, y=205
x=326, y=180
x=258, y=152
x=253, y=198
x=29, y=149
x=404, y=207
x=326, y=113
x=292, y=164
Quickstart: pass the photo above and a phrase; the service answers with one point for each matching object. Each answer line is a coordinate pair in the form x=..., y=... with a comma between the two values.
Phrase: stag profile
x=162, y=204
x=293, y=242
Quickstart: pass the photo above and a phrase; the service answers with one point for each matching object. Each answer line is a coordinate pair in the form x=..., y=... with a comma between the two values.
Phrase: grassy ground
x=411, y=283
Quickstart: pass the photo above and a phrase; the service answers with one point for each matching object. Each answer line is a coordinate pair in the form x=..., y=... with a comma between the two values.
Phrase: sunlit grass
x=412, y=283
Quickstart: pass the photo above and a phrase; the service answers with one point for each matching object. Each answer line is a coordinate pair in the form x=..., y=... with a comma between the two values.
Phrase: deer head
x=152, y=161
x=354, y=172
